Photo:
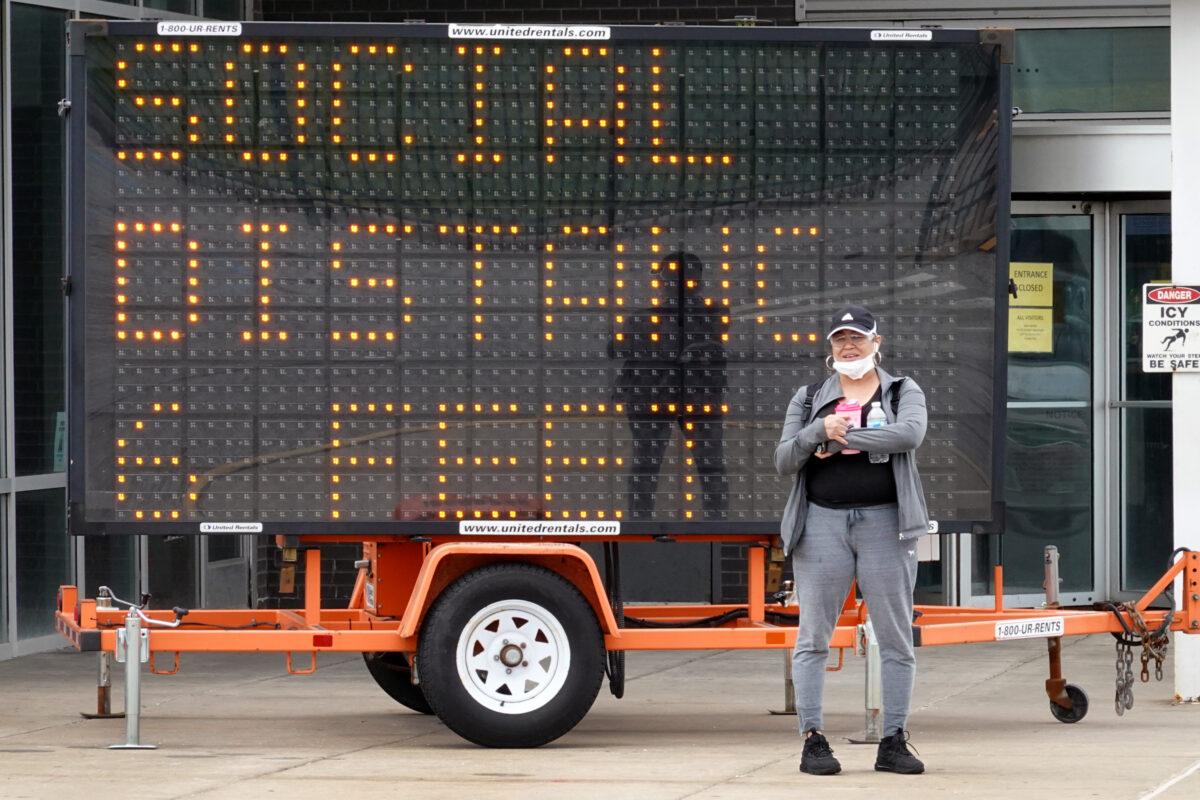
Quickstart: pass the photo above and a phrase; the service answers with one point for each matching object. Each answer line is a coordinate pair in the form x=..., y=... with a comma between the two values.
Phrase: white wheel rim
x=513, y=657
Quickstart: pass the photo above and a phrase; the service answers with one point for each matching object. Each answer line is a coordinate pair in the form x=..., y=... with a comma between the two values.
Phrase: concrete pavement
x=692, y=725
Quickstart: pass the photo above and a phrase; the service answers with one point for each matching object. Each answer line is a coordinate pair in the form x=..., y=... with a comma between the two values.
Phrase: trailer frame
x=311, y=629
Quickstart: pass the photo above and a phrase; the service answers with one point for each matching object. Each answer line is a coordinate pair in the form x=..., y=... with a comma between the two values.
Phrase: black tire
x=393, y=673
x=1078, y=709
x=507, y=611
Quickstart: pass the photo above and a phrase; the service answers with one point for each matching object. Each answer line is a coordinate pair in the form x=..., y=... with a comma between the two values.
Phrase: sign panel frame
x=77, y=248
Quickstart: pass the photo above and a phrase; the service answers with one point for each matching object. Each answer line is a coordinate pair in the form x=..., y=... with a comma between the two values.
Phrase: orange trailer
x=377, y=283
x=509, y=642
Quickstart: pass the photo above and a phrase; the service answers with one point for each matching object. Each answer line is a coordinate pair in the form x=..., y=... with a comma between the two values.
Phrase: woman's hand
x=836, y=427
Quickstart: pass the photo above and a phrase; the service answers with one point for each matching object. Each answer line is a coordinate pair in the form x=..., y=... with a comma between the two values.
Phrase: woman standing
x=854, y=515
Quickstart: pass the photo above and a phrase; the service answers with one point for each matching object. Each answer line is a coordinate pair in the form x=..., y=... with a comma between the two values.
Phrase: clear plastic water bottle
x=877, y=419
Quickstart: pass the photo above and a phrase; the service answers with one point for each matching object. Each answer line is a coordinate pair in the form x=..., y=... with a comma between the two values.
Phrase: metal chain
x=1123, y=698
x=1154, y=645
x=1154, y=648
x=1119, y=706
x=1128, y=678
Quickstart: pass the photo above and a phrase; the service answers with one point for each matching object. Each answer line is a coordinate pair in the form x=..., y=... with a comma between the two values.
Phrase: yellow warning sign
x=1031, y=330
x=1034, y=282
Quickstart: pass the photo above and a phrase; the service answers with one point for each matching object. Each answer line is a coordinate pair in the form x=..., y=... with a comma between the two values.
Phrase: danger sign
x=1170, y=328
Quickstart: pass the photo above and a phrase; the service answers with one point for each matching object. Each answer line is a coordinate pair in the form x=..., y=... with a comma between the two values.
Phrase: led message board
x=373, y=279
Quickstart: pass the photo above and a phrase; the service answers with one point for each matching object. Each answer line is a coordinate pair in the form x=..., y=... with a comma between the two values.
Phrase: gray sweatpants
x=836, y=546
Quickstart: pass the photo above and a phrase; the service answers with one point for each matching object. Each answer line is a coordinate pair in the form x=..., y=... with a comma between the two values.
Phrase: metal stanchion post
x=103, y=690
x=104, y=685
x=1051, y=582
x=868, y=645
x=1056, y=684
x=133, y=649
x=789, y=688
x=104, y=675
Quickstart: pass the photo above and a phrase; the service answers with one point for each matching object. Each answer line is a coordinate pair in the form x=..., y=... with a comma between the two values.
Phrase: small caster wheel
x=1078, y=709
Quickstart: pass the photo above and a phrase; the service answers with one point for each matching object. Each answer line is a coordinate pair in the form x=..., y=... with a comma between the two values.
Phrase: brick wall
x=337, y=575
x=731, y=574
x=780, y=12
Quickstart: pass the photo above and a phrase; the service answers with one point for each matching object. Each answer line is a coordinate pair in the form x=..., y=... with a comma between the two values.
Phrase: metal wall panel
x=1002, y=11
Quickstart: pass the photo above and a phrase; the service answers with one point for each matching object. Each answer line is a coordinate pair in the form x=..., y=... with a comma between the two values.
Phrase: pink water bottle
x=850, y=411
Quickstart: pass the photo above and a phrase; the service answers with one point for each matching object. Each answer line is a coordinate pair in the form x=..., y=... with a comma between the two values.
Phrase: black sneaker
x=817, y=758
x=893, y=756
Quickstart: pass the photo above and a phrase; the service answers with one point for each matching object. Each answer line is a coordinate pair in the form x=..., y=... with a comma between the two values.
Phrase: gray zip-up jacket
x=900, y=437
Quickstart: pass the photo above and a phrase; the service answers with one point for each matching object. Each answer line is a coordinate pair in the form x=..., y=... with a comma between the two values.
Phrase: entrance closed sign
x=1034, y=283
x=1031, y=307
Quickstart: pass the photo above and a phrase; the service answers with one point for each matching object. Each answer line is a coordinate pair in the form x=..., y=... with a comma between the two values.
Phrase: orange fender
x=446, y=562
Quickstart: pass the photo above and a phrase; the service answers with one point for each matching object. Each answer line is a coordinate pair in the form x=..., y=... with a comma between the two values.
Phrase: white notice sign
x=199, y=29
x=231, y=527
x=902, y=36
x=1170, y=328
x=1034, y=628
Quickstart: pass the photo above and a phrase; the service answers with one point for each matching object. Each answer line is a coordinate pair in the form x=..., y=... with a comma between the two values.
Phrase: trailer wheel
x=1078, y=709
x=511, y=655
x=393, y=673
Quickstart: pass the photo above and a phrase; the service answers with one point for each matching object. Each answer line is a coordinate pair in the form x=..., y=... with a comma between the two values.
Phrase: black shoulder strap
x=806, y=409
x=896, y=396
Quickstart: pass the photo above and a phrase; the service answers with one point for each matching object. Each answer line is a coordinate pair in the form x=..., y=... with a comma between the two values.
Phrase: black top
x=849, y=481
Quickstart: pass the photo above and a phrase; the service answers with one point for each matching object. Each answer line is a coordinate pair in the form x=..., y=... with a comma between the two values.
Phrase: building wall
x=649, y=12
x=900, y=11
x=36, y=555
x=337, y=575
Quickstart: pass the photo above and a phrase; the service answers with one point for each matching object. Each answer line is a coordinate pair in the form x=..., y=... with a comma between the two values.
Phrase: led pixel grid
x=394, y=281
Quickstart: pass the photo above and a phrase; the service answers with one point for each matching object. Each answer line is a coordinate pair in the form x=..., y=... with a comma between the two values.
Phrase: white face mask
x=855, y=370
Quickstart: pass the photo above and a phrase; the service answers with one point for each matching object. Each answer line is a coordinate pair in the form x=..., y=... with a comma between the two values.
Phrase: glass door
x=1141, y=472
x=1049, y=443
x=171, y=570
x=226, y=570
x=1048, y=474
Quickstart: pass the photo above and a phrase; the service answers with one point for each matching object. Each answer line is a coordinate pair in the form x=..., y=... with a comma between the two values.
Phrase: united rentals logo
x=1173, y=294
